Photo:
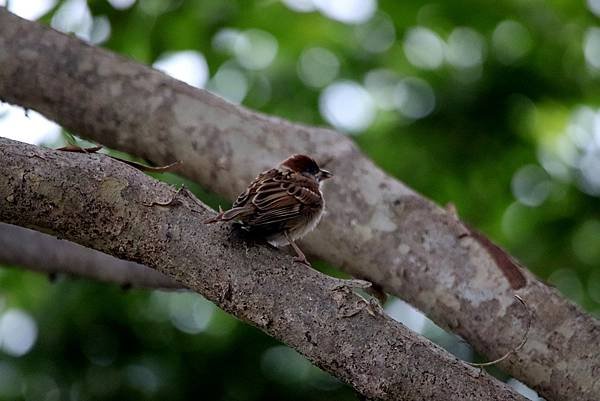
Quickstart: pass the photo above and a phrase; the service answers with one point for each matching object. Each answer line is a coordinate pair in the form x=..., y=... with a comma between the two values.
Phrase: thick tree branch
x=376, y=227
x=46, y=254
x=103, y=204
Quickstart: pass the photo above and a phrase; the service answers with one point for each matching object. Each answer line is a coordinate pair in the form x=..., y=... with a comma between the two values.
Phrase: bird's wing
x=266, y=176
x=284, y=197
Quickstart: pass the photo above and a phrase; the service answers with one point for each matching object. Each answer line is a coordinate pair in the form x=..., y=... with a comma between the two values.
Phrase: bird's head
x=307, y=166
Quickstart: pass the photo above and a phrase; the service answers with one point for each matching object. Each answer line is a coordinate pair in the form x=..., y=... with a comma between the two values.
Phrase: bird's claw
x=302, y=260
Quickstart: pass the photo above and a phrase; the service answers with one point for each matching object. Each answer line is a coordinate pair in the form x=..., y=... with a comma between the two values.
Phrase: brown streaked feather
x=253, y=187
x=275, y=201
x=281, y=205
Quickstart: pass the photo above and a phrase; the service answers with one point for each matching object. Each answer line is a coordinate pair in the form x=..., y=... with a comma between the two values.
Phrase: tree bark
x=376, y=228
x=46, y=254
x=108, y=206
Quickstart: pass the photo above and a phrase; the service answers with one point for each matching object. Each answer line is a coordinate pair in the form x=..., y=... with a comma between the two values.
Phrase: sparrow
x=282, y=204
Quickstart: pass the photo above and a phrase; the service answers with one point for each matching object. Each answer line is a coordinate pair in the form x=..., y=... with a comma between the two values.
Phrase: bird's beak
x=323, y=175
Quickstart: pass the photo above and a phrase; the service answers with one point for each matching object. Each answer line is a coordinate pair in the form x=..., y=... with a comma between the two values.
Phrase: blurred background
x=492, y=108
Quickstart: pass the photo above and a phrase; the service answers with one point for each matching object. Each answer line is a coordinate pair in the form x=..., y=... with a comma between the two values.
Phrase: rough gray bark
x=46, y=254
x=108, y=206
x=376, y=227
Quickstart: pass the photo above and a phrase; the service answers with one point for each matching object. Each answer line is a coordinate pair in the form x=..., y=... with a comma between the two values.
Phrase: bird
x=281, y=205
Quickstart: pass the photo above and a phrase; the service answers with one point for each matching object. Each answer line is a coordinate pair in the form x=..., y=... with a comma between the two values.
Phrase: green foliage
x=499, y=144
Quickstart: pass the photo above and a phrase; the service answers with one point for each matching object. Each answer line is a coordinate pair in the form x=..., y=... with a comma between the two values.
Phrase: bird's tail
x=228, y=215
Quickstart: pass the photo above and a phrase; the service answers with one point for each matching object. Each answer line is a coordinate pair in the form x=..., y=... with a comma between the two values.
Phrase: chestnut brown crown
x=307, y=166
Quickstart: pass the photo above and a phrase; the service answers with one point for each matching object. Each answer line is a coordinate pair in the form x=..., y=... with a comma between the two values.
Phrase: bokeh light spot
x=29, y=9
x=224, y=40
x=347, y=106
x=511, y=41
x=381, y=84
x=189, y=312
x=414, y=98
x=74, y=16
x=465, y=48
x=424, y=48
x=406, y=314
x=594, y=6
x=18, y=332
x=30, y=127
x=100, y=31
x=260, y=91
x=580, y=129
x=121, y=4
x=531, y=185
x=230, y=83
x=188, y=66
x=376, y=35
x=553, y=165
x=589, y=168
x=574, y=154
x=348, y=11
x=302, y=6
x=317, y=67
x=591, y=47
x=255, y=49
x=142, y=378
x=523, y=389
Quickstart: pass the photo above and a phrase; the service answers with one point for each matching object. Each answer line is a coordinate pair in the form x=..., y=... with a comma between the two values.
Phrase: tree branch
x=46, y=254
x=106, y=205
x=376, y=227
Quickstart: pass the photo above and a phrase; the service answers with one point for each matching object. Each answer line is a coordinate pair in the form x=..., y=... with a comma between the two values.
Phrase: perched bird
x=281, y=205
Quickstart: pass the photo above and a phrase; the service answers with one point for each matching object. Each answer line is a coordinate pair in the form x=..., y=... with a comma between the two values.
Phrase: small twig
x=153, y=169
x=518, y=347
x=79, y=149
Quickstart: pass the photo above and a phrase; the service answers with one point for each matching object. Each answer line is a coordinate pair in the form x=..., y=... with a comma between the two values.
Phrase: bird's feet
x=300, y=257
x=302, y=260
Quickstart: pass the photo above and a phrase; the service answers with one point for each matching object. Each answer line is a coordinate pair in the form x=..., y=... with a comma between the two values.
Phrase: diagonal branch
x=103, y=204
x=46, y=254
x=376, y=227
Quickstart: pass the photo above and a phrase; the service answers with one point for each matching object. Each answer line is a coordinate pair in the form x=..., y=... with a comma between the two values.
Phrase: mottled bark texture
x=106, y=205
x=46, y=254
x=376, y=228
